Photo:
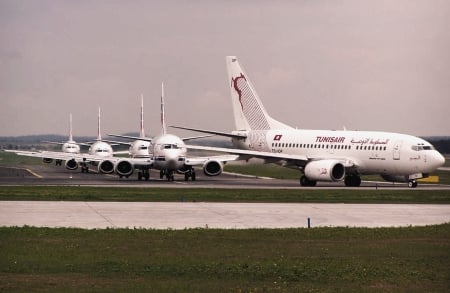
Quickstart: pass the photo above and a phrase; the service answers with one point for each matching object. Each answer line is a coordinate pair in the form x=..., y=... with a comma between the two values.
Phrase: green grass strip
x=411, y=259
x=149, y=194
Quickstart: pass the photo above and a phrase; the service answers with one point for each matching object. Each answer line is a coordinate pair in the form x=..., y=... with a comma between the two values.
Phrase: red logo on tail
x=234, y=83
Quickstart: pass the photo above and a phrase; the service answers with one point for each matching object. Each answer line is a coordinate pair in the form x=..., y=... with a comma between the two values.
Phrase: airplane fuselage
x=370, y=152
x=168, y=152
x=70, y=147
x=139, y=149
x=101, y=149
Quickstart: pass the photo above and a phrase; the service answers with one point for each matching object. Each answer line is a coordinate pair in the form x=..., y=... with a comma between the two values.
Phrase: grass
x=149, y=194
x=202, y=260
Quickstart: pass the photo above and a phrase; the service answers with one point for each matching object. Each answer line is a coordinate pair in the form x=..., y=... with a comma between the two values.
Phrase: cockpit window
x=422, y=147
x=171, y=146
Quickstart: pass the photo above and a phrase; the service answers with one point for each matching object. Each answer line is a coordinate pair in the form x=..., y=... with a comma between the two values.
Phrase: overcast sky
x=365, y=65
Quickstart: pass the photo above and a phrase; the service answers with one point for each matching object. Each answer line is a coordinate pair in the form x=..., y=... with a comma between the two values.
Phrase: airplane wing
x=52, y=142
x=85, y=158
x=194, y=161
x=87, y=144
x=131, y=137
x=196, y=137
x=58, y=155
x=289, y=160
x=246, y=154
x=211, y=132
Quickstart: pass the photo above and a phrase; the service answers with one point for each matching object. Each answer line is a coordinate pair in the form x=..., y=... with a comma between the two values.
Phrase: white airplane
x=168, y=154
x=69, y=146
x=100, y=154
x=139, y=149
x=321, y=155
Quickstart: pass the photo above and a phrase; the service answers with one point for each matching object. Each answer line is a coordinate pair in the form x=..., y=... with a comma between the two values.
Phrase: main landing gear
x=352, y=181
x=167, y=173
x=144, y=174
x=189, y=174
x=304, y=181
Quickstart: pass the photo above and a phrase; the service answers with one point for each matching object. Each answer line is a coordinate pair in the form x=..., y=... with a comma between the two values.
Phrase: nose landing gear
x=412, y=183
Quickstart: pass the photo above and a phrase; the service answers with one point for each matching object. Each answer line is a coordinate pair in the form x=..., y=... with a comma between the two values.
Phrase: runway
x=182, y=215
x=59, y=176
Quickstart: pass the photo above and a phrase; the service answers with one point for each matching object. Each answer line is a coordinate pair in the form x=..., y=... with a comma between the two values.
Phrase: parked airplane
x=321, y=155
x=69, y=146
x=168, y=154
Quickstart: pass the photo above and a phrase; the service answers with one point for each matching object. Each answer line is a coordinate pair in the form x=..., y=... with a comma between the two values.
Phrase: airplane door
x=397, y=147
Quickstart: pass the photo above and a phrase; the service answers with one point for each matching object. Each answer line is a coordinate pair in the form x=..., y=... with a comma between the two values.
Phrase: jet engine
x=47, y=160
x=212, y=168
x=106, y=167
x=325, y=170
x=124, y=168
x=71, y=164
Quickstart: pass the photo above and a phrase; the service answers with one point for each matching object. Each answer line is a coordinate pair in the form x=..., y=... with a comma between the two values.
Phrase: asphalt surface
x=181, y=215
x=57, y=175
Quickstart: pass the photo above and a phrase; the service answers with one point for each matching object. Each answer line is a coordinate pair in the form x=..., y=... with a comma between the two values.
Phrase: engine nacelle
x=71, y=164
x=124, y=168
x=325, y=170
x=106, y=167
x=212, y=168
x=47, y=160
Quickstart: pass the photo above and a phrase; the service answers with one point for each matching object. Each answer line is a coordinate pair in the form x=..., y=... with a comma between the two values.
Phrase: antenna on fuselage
x=163, y=118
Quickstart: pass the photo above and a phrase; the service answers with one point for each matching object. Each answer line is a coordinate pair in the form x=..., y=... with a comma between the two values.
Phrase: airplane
x=70, y=146
x=139, y=149
x=100, y=154
x=321, y=155
x=168, y=154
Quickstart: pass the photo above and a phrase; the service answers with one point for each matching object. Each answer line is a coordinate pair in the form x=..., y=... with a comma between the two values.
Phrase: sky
x=362, y=65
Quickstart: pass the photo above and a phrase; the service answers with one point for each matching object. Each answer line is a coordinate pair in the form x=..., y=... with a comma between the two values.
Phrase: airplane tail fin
x=99, y=132
x=249, y=112
x=163, y=118
x=70, y=128
x=142, y=131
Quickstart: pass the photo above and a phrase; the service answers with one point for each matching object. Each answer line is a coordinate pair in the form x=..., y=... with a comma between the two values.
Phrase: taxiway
x=181, y=215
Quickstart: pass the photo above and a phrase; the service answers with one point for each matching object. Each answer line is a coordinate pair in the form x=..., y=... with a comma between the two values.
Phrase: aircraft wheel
x=193, y=176
x=352, y=181
x=186, y=176
x=147, y=175
x=140, y=176
x=161, y=174
x=304, y=181
x=412, y=184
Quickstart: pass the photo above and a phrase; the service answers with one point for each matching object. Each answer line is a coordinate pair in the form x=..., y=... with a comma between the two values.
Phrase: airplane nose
x=438, y=160
x=172, y=161
x=441, y=160
x=171, y=164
